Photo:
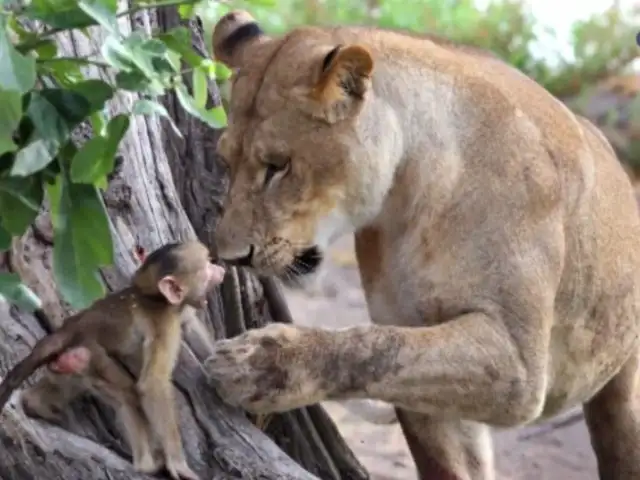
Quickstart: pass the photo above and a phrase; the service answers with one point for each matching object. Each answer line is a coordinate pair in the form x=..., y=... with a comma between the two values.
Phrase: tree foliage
x=46, y=97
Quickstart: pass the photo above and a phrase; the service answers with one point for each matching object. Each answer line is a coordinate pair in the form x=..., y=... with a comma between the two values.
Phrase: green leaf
x=215, y=117
x=129, y=55
x=47, y=49
x=149, y=107
x=134, y=40
x=103, y=12
x=174, y=60
x=54, y=113
x=154, y=47
x=34, y=156
x=17, y=72
x=16, y=292
x=116, y=130
x=164, y=68
x=72, y=107
x=95, y=91
x=222, y=72
x=134, y=81
x=98, y=122
x=185, y=11
x=7, y=144
x=46, y=118
x=71, y=18
x=90, y=224
x=179, y=40
x=5, y=238
x=82, y=241
x=89, y=165
x=10, y=115
x=102, y=183
x=63, y=14
x=96, y=159
x=200, y=87
x=116, y=54
x=20, y=200
x=209, y=68
x=27, y=190
x=23, y=34
x=65, y=71
x=10, y=110
x=54, y=194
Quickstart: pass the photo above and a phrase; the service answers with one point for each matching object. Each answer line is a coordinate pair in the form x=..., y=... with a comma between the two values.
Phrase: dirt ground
x=557, y=450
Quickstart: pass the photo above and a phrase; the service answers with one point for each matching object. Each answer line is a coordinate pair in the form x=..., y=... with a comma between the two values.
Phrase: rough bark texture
x=308, y=435
x=146, y=211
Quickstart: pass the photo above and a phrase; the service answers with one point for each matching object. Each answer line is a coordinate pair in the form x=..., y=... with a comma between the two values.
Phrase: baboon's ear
x=171, y=289
x=233, y=33
x=344, y=79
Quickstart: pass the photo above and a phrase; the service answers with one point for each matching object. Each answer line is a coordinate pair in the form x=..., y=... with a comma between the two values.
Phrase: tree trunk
x=146, y=210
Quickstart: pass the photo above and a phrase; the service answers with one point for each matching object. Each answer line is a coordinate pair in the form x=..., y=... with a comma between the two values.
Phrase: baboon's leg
x=613, y=419
x=116, y=387
x=448, y=449
x=50, y=395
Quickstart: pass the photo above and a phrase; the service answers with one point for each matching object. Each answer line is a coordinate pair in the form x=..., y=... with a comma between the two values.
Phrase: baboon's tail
x=45, y=350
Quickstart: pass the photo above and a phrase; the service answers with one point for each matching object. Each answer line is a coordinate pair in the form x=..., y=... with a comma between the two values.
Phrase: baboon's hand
x=271, y=369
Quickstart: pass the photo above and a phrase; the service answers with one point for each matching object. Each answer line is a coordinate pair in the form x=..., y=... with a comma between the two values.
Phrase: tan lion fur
x=497, y=236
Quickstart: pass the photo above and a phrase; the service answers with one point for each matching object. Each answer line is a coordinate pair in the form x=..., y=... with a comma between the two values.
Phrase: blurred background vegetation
x=596, y=79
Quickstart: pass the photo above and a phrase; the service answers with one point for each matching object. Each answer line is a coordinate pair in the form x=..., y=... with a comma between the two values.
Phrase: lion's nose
x=244, y=261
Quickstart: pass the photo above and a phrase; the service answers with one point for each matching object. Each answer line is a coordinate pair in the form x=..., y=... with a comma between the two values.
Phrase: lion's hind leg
x=448, y=449
x=613, y=419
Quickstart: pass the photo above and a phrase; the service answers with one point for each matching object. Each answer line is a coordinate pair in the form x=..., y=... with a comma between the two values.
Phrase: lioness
x=497, y=237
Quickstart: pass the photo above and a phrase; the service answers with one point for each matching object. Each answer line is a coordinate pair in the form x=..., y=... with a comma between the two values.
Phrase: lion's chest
x=387, y=307
x=398, y=290
x=410, y=302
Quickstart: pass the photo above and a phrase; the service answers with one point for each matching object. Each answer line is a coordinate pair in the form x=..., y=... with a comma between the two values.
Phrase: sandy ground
x=557, y=450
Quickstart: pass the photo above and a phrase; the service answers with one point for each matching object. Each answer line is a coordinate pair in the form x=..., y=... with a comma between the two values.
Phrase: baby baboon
x=143, y=321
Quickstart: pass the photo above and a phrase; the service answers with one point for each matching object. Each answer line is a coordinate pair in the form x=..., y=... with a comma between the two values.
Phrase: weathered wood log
x=146, y=210
x=308, y=435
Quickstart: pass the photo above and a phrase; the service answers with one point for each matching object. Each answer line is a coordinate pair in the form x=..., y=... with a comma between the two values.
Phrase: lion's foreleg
x=471, y=368
x=448, y=448
x=613, y=419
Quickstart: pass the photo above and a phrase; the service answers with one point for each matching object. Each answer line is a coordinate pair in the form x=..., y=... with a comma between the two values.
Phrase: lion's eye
x=273, y=169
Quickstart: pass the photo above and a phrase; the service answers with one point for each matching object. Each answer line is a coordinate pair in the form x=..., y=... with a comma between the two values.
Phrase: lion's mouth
x=245, y=261
x=306, y=262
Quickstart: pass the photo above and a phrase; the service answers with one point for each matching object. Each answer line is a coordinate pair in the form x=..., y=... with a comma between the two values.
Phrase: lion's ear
x=232, y=34
x=344, y=79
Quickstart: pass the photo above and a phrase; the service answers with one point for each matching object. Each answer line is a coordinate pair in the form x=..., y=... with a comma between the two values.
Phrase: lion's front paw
x=265, y=370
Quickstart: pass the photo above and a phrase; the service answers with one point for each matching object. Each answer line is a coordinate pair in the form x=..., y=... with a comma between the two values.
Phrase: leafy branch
x=46, y=97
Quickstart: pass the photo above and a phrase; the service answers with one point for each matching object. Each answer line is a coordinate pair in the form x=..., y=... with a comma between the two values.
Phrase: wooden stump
x=163, y=189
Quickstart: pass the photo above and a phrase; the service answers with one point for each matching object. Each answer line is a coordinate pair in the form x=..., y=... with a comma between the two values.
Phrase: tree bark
x=146, y=210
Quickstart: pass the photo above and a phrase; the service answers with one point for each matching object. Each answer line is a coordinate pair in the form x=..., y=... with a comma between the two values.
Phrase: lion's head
x=302, y=145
